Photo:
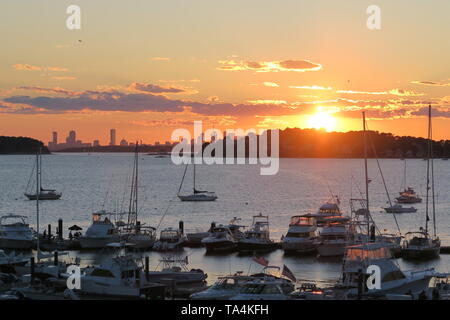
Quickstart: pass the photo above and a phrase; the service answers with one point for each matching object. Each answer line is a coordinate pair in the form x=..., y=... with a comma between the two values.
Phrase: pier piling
x=60, y=229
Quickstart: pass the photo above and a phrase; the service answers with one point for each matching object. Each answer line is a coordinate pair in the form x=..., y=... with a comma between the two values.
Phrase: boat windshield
x=260, y=289
x=169, y=234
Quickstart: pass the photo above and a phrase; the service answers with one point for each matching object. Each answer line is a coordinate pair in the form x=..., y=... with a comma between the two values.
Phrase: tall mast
x=404, y=175
x=194, y=175
x=132, y=209
x=432, y=174
x=38, y=191
x=365, y=170
x=427, y=218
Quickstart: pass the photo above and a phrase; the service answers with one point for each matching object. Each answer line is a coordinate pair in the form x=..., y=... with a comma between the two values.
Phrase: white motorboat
x=392, y=279
x=398, y=208
x=221, y=239
x=119, y=277
x=175, y=272
x=195, y=237
x=101, y=232
x=9, y=261
x=15, y=232
x=337, y=234
x=196, y=195
x=170, y=239
x=301, y=235
x=257, y=238
x=262, y=289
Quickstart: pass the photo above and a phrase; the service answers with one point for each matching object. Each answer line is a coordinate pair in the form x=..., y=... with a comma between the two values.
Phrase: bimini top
x=367, y=251
x=14, y=217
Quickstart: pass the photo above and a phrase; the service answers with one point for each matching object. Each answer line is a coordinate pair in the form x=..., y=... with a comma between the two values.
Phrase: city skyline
x=319, y=66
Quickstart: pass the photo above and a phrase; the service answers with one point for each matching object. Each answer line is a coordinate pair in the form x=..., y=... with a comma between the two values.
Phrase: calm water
x=90, y=182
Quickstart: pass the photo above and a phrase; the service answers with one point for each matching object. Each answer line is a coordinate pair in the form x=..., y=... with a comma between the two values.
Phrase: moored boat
x=301, y=235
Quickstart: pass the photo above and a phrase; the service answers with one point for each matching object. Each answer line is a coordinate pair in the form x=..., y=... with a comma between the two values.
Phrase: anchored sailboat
x=197, y=195
x=44, y=194
x=140, y=236
x=420, y=244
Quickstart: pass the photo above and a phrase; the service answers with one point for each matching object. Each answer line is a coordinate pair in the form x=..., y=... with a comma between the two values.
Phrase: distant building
x=168, y=143
x=123, y=143
x=71, y=142
x=72, y=138
x=96, y=143
x=157, y=143
x=112, y=137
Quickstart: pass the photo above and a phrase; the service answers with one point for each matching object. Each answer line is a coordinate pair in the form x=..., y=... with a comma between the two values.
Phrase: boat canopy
x=367, y=251
x=17, y=219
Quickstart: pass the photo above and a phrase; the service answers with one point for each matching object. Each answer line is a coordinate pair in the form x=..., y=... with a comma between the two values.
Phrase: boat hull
x=97, y=243
x=244, y=246
x=6, y=243
x=43, y=197
x=331, y=249
x=220, y=246
x=423, y=254
x=197, y=198
x=301, y=247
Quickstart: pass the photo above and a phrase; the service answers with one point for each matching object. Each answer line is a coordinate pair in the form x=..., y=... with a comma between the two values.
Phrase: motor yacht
x=221, y=239
x=336, y=234
x=15, y=232
x=420, y=245
x=170, y=239
x=301, y=235
x=257, y=238
x=101, y=232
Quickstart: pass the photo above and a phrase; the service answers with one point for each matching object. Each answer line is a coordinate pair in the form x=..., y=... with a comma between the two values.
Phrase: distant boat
x=398, y=208
x=301, y=235
x=44, y=194
x=197, y=195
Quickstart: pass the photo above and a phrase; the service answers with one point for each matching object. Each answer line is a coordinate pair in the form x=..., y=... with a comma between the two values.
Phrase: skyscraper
x=112, y=140
x=72, y=138
x=55, y=137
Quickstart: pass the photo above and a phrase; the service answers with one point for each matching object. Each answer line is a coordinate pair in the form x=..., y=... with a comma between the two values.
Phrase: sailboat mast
x=365, y=170
x=38, y=191
x=136, y=183
x=194, y=175
x=427, y=218
x=432, y=175
x=404, y=176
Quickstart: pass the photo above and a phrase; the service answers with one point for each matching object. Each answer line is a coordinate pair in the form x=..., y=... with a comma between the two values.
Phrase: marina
x=89, y=247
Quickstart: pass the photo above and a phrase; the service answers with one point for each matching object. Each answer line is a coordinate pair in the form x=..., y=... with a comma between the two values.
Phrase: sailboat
x=420, y=244
x=408, y=195
x=197, y=195
x=44, y=194
x=142, y=237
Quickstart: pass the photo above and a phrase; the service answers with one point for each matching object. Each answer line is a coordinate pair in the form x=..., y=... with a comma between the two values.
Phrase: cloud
x=432, y=83
x=270, y=84
x=55, y=90
x=153, y=88
x=160, y=59
x=26, y=67
x=64, y=78
x=29, y=67
x=269, y=66
x=313, y=87
x=267, y=102
x=395, y=92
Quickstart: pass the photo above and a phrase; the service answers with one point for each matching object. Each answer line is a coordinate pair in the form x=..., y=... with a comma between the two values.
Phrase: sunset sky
x=147, y=67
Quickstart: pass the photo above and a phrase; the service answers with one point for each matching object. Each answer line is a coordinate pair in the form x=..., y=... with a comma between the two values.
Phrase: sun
x=322, y=120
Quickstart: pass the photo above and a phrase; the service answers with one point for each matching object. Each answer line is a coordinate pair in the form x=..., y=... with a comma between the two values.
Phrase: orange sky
x=154, y=66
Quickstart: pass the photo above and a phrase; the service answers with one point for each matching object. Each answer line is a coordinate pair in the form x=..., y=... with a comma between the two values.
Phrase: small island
x=21, y=145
